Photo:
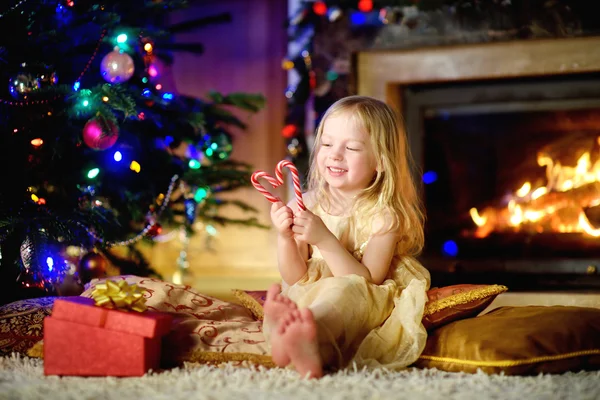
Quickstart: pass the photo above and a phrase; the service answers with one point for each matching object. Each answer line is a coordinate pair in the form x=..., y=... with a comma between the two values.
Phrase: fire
x=557, y=206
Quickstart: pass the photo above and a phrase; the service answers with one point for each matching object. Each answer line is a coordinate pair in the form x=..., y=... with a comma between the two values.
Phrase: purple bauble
x=117, y=67
x=100, y=133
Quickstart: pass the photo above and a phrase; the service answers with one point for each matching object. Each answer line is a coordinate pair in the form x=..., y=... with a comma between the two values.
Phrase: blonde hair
x=392, y=190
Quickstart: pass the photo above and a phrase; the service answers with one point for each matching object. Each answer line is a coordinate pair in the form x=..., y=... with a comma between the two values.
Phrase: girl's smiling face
x=345, y=156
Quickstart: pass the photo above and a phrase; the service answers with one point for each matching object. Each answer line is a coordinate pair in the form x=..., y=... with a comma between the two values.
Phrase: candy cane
x=275, y=182
x=295, y=179
x=260, y=188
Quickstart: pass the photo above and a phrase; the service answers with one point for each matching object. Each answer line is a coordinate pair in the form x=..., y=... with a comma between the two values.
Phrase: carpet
x=23, y=378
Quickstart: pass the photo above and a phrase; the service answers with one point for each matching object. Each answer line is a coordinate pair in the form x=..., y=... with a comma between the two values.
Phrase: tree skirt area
x=23, y=378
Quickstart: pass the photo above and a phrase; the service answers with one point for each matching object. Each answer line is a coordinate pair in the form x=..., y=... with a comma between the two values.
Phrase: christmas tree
x=94, y=155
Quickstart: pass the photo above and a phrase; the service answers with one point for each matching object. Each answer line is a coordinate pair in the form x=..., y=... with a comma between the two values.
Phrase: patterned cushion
x=445, y=304
x=205, y=329
x=21, y=324
x=524, y=340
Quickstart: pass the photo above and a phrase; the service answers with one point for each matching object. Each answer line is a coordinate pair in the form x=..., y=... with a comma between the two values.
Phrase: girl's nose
x=335, y=154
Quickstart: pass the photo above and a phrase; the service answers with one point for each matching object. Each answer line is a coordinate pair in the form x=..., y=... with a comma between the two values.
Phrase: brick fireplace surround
x=384, y=74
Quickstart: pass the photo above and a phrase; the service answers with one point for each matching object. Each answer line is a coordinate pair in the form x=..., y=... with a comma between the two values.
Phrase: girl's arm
x=376, y=257
x=291, y=254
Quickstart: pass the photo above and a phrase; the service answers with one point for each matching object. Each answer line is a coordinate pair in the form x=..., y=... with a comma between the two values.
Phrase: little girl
x=352, y=291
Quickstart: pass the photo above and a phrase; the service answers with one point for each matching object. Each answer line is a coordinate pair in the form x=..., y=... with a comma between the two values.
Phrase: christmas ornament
x=100, y=133
x=117, y=66
x=91, y=266
x=217, y=146
x=26, y=251
x=294, y=147
x=154, y=231
x=30, y=81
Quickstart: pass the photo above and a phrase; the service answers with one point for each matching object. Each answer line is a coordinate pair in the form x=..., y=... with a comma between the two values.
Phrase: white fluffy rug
x=23, y=378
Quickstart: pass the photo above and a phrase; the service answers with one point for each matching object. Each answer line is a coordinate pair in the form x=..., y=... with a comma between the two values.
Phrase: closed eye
x=325, y=145
x=352, y=149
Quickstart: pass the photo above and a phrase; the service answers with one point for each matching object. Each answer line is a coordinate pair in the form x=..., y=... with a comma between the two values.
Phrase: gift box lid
x=83, y=310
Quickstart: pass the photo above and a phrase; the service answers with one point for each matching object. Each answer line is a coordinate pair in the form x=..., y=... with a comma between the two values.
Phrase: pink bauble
x=100, y=133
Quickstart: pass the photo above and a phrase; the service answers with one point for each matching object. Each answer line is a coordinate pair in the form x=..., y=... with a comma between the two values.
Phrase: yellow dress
x=358, y=321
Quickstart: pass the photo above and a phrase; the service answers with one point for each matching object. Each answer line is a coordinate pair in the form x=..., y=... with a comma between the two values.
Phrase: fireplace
x=508, y=158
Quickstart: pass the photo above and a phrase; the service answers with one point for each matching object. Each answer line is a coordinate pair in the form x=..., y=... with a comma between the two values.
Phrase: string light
x=135, y=166
x=365, y=5
x=200, y=194
x=287, y=65
x=19, y=4
x=320, y=8
x=92, y=173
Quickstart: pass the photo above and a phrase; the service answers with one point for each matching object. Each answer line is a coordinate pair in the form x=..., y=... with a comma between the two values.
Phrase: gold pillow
x=518, y=341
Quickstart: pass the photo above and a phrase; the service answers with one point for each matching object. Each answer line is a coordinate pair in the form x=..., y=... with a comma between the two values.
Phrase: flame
x=478, y=219
x=524, y=190
x=556, y=206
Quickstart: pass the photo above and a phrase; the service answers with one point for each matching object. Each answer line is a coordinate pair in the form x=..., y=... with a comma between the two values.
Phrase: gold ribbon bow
x=120, y=295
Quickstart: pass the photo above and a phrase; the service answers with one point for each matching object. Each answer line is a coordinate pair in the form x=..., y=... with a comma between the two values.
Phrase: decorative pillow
x=445, y=304
x=456, y=302
x=518, y=341
x=253, y=300
x=21, y=324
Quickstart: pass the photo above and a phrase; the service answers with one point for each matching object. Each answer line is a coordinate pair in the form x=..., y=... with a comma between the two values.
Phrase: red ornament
x=154, y=230
x=100, y=133
x=92, y=265
x=289, y=131
x=365, y=5
x=320, y=8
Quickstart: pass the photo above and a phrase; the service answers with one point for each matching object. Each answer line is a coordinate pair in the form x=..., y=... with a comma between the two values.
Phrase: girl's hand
x=310, y=229
x=282, y=218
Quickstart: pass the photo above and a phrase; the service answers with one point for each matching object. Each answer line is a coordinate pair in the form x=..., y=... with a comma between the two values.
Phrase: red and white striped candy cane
x=260, y=188
x=275, y=182
x=295, y=178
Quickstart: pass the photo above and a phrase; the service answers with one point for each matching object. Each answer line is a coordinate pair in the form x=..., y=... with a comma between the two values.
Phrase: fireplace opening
x=510, y=179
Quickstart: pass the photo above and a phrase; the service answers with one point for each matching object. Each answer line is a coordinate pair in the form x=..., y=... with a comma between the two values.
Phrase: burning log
x=584, y=196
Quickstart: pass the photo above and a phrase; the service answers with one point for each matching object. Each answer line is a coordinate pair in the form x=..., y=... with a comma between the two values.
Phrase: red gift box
x=85, y=340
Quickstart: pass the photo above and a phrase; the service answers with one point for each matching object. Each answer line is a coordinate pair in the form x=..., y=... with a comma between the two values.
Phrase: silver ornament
x=28, y=82
x=26, y=253
x=117, y=66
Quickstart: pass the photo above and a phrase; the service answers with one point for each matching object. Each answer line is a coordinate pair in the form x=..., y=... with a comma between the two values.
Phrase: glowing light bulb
x=92, y=173
x=135, y=166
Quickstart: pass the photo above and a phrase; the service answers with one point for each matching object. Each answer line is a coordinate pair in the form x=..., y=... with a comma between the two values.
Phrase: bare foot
x=295, y=339
x=276, y=305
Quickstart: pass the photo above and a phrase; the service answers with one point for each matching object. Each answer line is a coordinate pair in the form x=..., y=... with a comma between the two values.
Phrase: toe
x=306, y=315
x=273, y=291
